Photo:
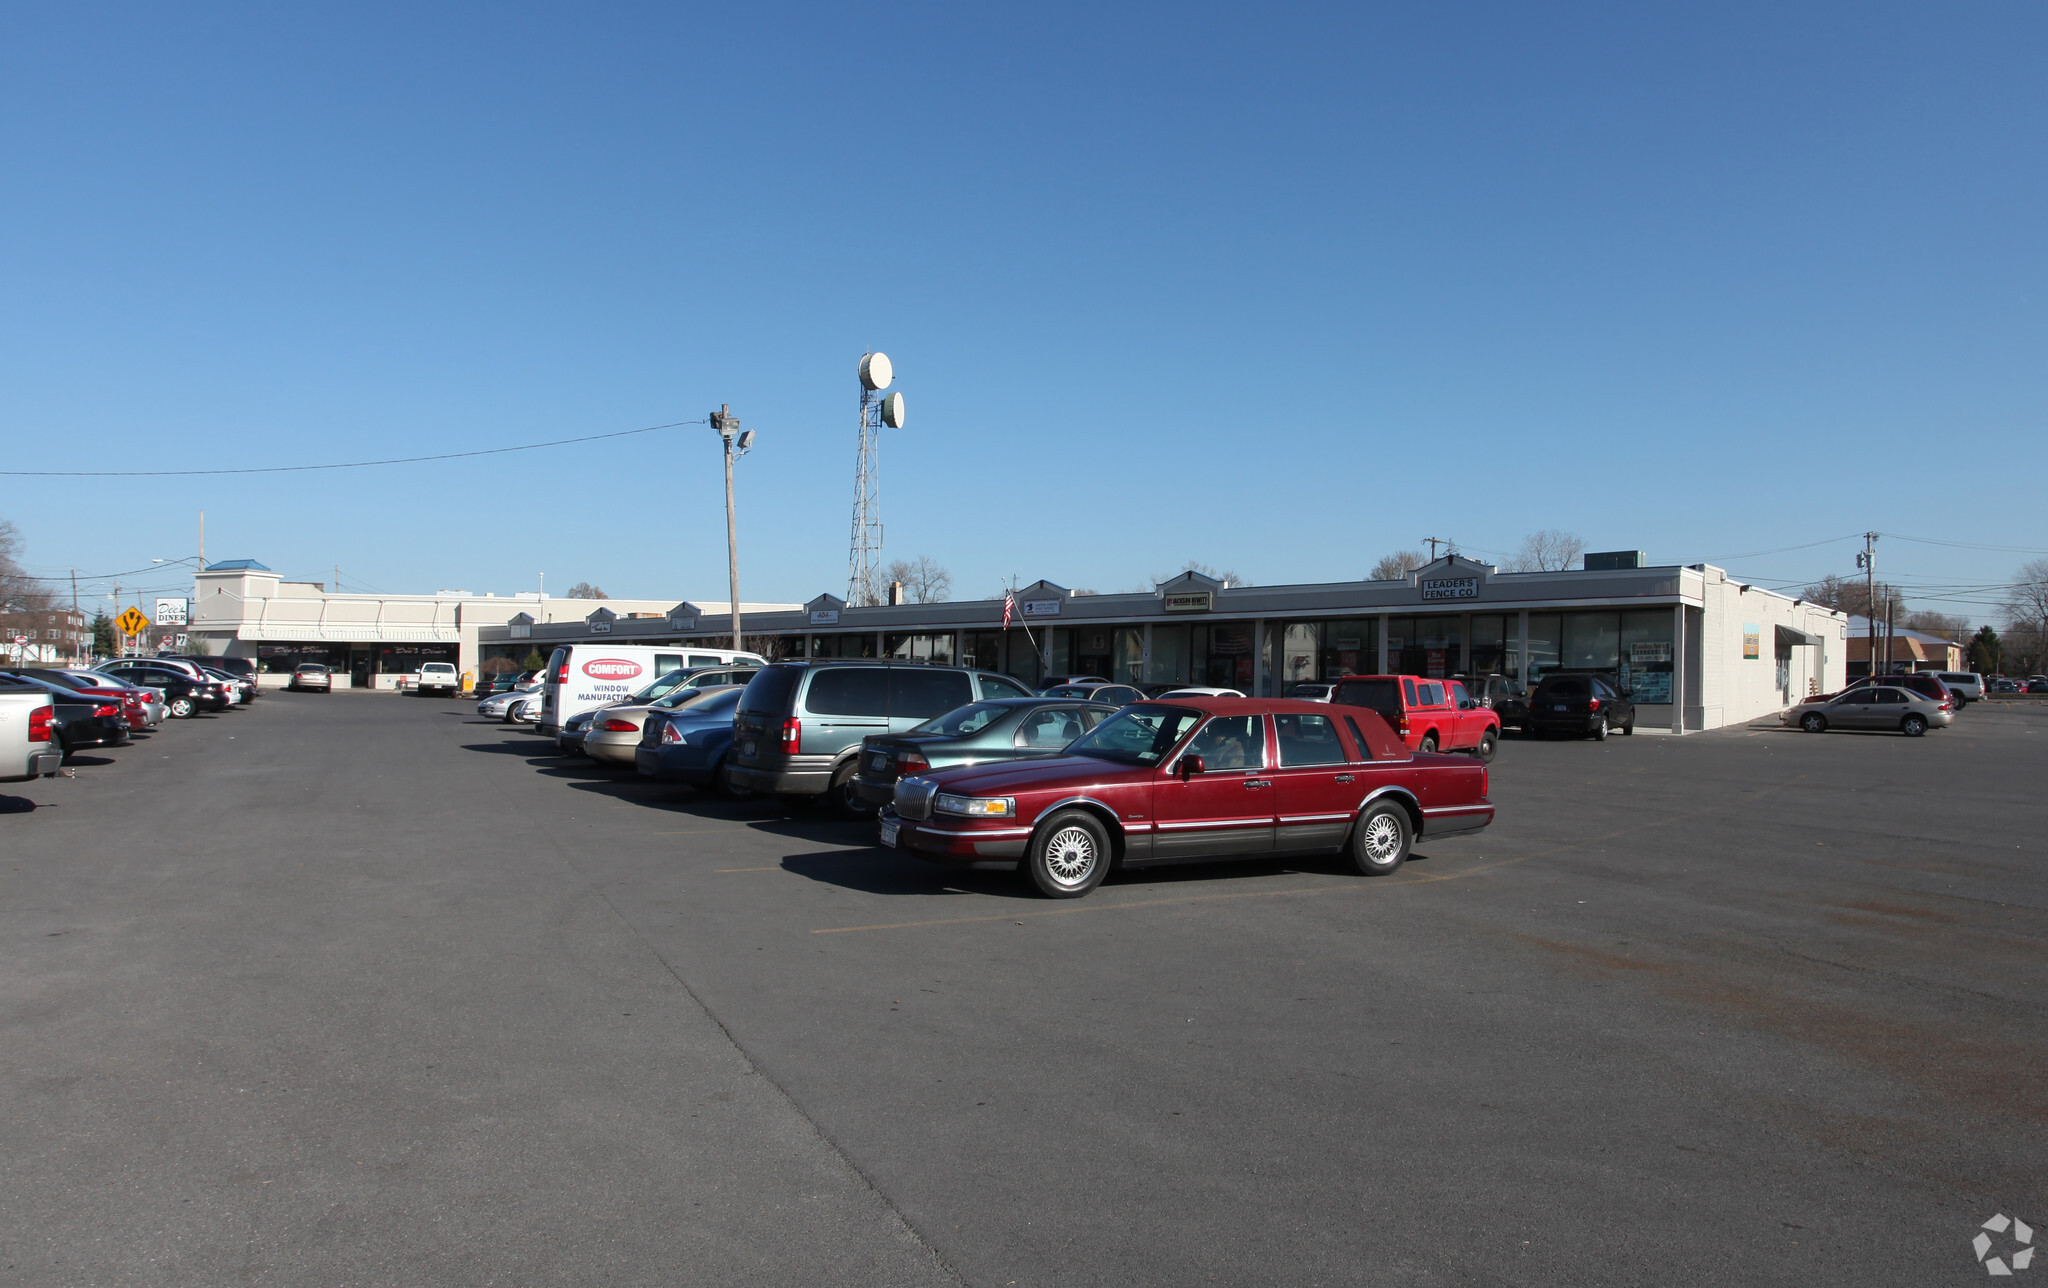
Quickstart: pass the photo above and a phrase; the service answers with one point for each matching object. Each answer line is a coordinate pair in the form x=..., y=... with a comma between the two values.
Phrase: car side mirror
x=1190, y=766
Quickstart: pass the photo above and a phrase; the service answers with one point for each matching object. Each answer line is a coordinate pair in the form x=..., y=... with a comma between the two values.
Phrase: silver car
x=499, y=705
x=1872, y=706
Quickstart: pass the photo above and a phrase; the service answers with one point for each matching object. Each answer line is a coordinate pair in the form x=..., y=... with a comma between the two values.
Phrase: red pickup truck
x=1428, y=715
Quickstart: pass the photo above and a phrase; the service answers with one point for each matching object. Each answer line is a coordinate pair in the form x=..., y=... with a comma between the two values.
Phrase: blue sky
x=1279, y=291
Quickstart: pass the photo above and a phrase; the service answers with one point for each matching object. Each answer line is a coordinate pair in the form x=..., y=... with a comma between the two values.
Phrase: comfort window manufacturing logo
x=2019, y=1239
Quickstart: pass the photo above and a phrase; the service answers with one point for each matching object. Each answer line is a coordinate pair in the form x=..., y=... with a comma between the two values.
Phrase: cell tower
x=863, y=576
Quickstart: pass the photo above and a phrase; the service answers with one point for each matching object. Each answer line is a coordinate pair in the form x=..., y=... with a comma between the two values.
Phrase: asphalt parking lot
x=363, y=990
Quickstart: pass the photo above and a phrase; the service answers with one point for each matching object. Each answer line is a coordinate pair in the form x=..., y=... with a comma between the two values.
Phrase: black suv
x=798, y=731
x=1583, y=703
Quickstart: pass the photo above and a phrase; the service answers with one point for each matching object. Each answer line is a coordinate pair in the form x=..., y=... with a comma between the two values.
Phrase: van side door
x=845, y=704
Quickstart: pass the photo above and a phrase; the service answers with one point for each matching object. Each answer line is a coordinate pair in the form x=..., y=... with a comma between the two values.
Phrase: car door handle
x=1345, y=778
x=1256, y=782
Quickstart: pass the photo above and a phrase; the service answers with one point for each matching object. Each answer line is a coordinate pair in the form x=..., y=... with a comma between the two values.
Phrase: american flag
x=1009, y=607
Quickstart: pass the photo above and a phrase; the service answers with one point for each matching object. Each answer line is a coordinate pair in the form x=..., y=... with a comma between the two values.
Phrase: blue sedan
x=691, y=743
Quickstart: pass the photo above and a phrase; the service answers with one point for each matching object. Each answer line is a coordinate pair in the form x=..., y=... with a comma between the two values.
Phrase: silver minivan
x=799, y=727
x=1968, y=686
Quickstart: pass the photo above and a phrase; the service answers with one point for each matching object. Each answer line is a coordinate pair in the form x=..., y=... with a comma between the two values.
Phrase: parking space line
x=773, y=867
x=1404, y=879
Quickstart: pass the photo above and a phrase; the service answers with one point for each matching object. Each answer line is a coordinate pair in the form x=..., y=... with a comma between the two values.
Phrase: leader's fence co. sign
x=1451, y=588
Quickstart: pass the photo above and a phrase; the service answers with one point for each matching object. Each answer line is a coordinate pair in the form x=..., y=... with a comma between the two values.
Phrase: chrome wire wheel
x=1381, y=842
x=1071, y=856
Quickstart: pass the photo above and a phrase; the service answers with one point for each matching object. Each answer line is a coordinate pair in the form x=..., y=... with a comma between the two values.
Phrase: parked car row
x=48, y=714
x=960, y=765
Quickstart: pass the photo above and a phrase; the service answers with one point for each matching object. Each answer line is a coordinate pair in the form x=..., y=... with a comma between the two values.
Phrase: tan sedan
x=614, y=734
x=1871, y=707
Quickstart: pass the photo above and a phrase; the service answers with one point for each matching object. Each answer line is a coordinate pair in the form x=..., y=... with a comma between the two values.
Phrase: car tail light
x=621, y=726
x=106, y=709
x=1594, y=705
x=669, y=732
x=912, y=762
x=562, y=676
x=41, y=723
x=793, y=736
x=1403, y=729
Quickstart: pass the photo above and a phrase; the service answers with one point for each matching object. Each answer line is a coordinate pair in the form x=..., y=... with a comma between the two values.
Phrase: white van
x=583, y=677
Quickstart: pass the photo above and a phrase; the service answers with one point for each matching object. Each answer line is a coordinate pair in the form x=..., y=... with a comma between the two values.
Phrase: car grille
x=914, y=798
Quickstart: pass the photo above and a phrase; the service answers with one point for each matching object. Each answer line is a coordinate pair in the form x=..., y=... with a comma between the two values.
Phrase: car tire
x=1489, y=743
x=722, y=787
x=1428, y=742
x=845, y=801
x=1814, y=722
x=1629, y=730
x=1600, y=729
x=183, y=708
x=1068, y=855
x=1380, y=839
x=1913, y=726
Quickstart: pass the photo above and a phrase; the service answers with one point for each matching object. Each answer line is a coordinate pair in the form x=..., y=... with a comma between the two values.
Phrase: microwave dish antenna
x=875, y=371
x=877, y=410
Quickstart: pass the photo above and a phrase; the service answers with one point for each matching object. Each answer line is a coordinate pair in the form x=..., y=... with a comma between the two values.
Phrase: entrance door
x=1784, y=675
x=1228, y=808
x=359, y=663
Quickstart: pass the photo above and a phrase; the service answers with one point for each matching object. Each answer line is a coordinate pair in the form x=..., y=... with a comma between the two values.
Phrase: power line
x=346, y=465
x=1966, y=545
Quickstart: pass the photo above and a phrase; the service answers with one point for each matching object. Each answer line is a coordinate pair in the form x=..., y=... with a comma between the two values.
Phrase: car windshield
x=961, y=721
x=1140, y=735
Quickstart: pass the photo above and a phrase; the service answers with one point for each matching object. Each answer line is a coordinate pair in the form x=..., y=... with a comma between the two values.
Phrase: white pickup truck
x=438, y=677
x=28, y=737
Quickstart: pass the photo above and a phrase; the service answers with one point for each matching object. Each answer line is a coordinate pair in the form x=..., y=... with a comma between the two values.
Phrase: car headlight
x=976, y=806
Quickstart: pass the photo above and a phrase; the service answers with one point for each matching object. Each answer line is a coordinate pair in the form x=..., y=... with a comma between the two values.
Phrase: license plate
x=889, y=832
x=748, y=748
x=1559, y=707
x=880, y=764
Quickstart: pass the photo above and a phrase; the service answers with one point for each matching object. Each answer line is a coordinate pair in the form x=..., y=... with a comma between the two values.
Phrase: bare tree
x=1395, y=566
x=1551, y=550
x=584, y=590
x=925, y=580
x=1229, y=579
x=18, y=590
x=2026, y=617
x=1853, y=596
x=1946, y=625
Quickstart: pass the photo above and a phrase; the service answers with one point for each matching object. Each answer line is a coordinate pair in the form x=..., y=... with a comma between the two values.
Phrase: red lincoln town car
x=1192, y=779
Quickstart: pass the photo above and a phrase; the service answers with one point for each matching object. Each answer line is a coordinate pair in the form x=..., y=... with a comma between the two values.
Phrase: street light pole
x=736, y=444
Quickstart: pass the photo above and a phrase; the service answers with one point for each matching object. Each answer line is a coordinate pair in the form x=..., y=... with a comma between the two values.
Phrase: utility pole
x=74, y=607
x=727, y=426
x=202, y=541
x=1434, y=542
x=1867, y=561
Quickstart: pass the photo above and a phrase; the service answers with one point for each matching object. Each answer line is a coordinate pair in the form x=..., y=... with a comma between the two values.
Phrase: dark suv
x=1585, y=704
x=799, y=727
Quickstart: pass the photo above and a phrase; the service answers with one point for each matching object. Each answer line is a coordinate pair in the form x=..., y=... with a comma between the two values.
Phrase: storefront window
x=920, y=648
x=1130, y=656
x=282, y=659
x=1592, y=642
x=1351, y=646
x=1427, y=645
x=1489, y=653
x=1300, y=645
x=1223, y=655
x=982, y=650
x=405, y=659
x=1094, y=653
x=1546, y=631
x=1169, y=648
x=1647, y=654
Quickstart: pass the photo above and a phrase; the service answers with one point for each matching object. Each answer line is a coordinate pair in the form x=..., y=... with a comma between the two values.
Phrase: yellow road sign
x=132, y=621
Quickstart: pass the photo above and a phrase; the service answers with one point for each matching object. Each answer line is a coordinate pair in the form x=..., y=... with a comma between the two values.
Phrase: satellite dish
x=875, y=371
x=892, y=411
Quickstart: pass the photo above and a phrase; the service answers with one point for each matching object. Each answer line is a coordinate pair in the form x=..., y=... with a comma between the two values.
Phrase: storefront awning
x=1791, y=638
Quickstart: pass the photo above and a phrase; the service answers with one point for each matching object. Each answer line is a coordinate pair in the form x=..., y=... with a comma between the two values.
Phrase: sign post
x=132, y=623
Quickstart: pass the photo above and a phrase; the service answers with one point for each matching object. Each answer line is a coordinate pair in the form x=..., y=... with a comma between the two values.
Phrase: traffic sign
x=132, y=621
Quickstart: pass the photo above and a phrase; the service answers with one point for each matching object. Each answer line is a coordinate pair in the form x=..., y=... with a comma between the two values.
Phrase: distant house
x=1909, y=650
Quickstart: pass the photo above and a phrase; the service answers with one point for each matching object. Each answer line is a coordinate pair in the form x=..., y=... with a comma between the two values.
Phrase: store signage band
x=600, y=627
x=1451, y=588
x=1041, y=608
x=824, y=617
x=1190, y=601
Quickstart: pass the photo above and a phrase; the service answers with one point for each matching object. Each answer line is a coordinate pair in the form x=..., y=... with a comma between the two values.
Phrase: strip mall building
x=1695, y=649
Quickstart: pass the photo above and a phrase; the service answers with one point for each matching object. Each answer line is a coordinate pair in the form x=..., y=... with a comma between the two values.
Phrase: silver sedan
x=1872, y=707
